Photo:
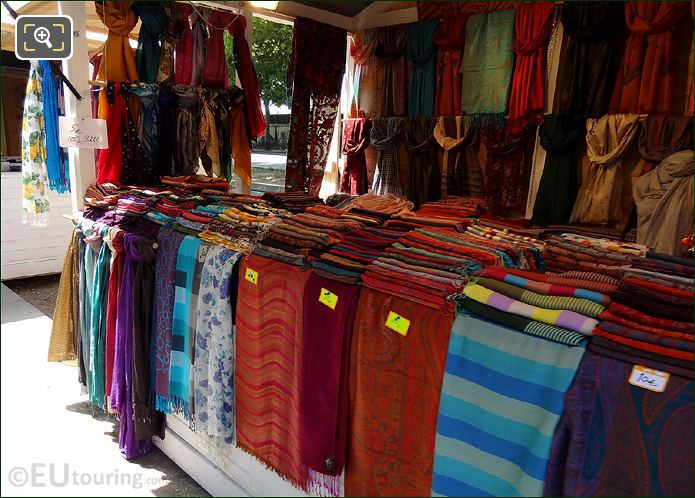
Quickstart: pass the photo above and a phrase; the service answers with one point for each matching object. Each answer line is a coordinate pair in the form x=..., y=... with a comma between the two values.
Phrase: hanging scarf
x=386, y=133
x=461, y=174
x=664, y=199
x=600, y=197
x=184, y=48
x=169, y=37
x=110, y=162
x=224, y=103
x=215, y=74
x=63, y=344
x=314, y=75
x=645, y=83
x=149, y=130
x=213, y=366
x=486, y=66
x=119, y=61
x=180, y=347
x=355, y=141
x=98, y=321
x=362, y=53
x=532, y=25
x=91, y=244
x=587, y=71
x=199, y=47
x=58, y=177
x=507, y=168
x=558, y=185
x=137, y=166
x=187, y=132
x=153, y=20
x=421, y=55
x=167, y=148
x=115, y=241
x=239, y=138
x=425, y=181
x=209, y=139
x=449, y=38
x=34, y=170
x=661, y=136
x=393, y=71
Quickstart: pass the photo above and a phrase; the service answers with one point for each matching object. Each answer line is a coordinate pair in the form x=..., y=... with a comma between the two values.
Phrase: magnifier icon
x=42, y=35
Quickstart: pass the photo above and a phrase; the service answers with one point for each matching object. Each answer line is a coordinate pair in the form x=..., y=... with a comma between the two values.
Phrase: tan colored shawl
x=118, y=63
x=62, y=345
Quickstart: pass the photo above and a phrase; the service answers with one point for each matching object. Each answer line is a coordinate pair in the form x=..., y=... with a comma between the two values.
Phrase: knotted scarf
x=209, y=139
x=137, y=166
x=362, y=52
x=315, y=74
x=110, y=162
x=215, y=74
x=149, y=130
x=449, y=38
x=356, y=133
x=199, y=46
x=386, y=133
x=645, y=83
x=587, y=71
x=184, y=48
x=661, y=136
x=118, y=64
x=461, y=174
x=421, y=54
x=393, y=76
x=169, y=37
x=486, y=66
x=187, y=129
x=167, y=157
x=56, y=166
x=422, y=160
x=600, y=197
x=532, y=25
x=557, y=189
x=153, y=20
x=34, y=171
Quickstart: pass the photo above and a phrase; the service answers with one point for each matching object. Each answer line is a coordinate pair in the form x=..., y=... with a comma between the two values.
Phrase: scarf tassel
x=324, y=485
x=177, y=405
x=61, y=185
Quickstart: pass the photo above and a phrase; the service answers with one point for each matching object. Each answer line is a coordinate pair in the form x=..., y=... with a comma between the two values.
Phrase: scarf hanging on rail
x=137, y=166
x=507, y=168
x=199, y=46
x=98, y=320
x=391, y=438
x=661, y=136
x=208, y=132
x=557, y=189
x=239, y=139
x=110, y=162
x=614, y=429
x=118, y=64
x=392, y=70
x=425, y=181
x=56, y=164
x=83, y=317
x=184, y=48
x=213, y=365
x=63, y=345
x=169, y=37
x=421, y=55
x=90, y=247
x=148, y=132
x=645, y=83
x=362, y=46
x=35, y=183
x=115, y=241
x=449, y=38
x=587, y=71
x=187, y=145
x=215, y=74
x=600, y=199
x=314, y=76
x=442, y=10
x=664, y=199
x=169, y=241
x=167, y=146
x=486, y=66
x=386, y=133
x=153, y=21
x=532, y=25
x=461, y=173
x=356, y=135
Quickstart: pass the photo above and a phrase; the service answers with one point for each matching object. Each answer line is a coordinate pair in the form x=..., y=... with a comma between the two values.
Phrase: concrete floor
x=53, y=443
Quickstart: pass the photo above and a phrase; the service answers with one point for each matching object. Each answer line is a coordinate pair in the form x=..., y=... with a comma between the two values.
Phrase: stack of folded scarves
x=196, y=183
x=388, y=204
x=530, y=248
x=236, y=229
x=295, y=202
x=570, y=252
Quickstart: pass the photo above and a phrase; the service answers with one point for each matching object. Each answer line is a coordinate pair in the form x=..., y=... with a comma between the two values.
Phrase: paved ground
x=50, y=436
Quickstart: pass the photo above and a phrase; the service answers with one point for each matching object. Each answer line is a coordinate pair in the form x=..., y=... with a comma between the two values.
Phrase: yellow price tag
x=252, y=276
x=328, y=298
x=397, y=323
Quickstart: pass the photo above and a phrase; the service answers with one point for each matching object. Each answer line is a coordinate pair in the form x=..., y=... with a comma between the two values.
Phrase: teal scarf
x=421, y=54
x=97, y=330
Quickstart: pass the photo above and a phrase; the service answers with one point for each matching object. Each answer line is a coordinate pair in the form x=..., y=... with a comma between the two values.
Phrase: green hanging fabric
x=154, y=20
x=421, y=54
x=97, y=340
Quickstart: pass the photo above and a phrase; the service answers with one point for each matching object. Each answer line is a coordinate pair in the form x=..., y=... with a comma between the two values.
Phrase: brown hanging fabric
x=425, y=182
x=661, y=136
x=393, y=70
x=460, y=168
x=119, y=59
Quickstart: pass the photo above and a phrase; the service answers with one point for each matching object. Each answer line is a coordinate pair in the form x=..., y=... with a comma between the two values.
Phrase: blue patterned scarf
x=58, y=176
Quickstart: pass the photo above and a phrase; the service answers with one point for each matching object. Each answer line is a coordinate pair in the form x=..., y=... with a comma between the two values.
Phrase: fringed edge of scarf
x=269, y=466
x=160, y=403
x=487, y=120
x=177, y=405
x=319, y=484
x=34, y=219
x=60, y=185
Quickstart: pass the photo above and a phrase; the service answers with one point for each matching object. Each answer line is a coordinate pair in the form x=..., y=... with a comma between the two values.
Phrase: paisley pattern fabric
x=148, y=133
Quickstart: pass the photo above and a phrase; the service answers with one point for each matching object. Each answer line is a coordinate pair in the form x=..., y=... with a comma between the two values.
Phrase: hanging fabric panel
x=215, y=74
x=167, y=163
x=362, y=46
x=187, y=128
x=169, y=37
x=119, y=61
x=421, y=55
x=393, y=70
x=386, y=133
x=356, y=135
x=425, y=181
x=184, y=48
x=449, y=38
x=460, y=171
x=153, y=21
x=148, y=132
x=56, y=163
x=199, y=45
x=63, y=344
x=110, y=162
x=661, y=136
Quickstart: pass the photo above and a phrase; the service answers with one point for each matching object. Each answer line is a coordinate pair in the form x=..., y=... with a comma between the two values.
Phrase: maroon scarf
x=184, y=48
x=449, y=38
x=355, y=141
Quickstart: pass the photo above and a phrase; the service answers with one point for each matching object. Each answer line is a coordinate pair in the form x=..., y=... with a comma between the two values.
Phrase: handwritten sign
x=646, y=378
x=397, y=323
x=252, y=276
x=328, y=298
x=83, y=133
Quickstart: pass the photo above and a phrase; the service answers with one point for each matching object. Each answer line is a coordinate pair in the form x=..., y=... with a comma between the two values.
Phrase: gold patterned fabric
x=62, y=346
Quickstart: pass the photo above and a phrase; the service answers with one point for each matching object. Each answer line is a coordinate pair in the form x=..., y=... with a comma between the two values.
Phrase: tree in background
x=270, y=51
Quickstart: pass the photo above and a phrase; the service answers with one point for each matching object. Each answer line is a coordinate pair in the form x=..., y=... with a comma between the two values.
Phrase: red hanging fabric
x=216, y=75
x=449, y=38
x=184, y=48
x=110, y=163
x=355, y=141
x=532, y=25
x=645, y=82
x=247, y=76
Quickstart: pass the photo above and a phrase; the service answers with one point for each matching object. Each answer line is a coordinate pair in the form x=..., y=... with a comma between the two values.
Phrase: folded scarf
x=648, y=320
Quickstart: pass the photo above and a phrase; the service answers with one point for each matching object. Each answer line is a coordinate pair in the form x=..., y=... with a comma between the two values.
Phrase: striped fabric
x=501, y=399
x=555, y=334
x=586, y=275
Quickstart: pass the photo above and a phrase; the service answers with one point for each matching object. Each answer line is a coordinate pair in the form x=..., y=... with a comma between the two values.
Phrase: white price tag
x=646, y=378
x=83, y=133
